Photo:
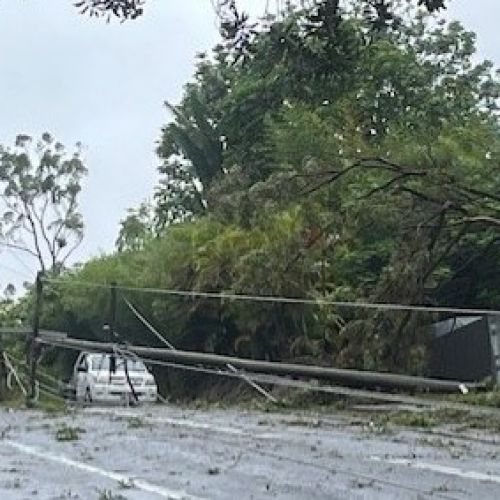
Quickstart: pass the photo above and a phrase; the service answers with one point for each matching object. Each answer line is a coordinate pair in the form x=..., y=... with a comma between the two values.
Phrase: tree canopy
x=39, y=187
x=230, y=13
x=340, y=164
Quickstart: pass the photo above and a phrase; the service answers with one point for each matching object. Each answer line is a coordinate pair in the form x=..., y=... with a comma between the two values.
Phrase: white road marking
x=442, y=469
x=138, y=483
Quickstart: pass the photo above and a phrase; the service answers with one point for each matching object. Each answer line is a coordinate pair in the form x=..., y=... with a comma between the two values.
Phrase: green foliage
x=123, y=9
x=7, y=313
x=106, y=494
x=67, y=433
x=136, y=229
x=373, y=140
x=409, y=419
x=338, y=164
x=191, y=150
x=39, y=187
x=233, y=23
x=489, y=398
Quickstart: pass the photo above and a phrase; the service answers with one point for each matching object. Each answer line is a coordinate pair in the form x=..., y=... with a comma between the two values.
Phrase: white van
x=93, y=381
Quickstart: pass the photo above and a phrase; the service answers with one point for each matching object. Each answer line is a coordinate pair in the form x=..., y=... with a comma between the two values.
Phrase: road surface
x=169, y=452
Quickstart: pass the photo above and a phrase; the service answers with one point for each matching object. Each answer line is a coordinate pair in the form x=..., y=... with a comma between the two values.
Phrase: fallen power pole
x=348, y=377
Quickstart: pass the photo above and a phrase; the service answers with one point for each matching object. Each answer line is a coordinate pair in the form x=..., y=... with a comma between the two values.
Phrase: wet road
x=168, y=452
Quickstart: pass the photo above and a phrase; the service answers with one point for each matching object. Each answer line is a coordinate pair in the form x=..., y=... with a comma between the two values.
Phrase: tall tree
x=352, y=163
x=191, y=149
x=385, y=141
x=39, y=187
x=414, y=77
x=136, y=229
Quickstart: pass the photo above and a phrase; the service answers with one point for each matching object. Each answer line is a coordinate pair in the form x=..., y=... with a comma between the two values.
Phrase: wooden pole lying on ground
x=352, y=378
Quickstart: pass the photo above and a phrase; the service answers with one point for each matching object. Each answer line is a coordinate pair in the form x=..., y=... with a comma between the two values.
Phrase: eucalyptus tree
x=40, y=182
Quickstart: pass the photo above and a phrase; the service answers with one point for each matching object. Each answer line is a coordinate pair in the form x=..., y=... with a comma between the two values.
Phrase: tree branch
x=420, y=195
x=34, y=235
x=40, y=220
x=389, y=183
x=481, y=219
x=480, y=193
x=14, y=246
x=372, y=163
x=451, y=244
x=72, y=249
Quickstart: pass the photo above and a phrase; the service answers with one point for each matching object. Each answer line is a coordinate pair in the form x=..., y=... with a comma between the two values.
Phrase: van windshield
x=102, y=363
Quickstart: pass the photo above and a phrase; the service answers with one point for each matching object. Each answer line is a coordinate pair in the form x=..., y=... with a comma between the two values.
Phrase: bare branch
x=72, y=249
x=371, y=163
x=318, y=186
x=14, y=246
x=40, y=219
x=481, y=219
x=448, y=248
x=420, y=195
x=389, y=183
x=34, y=235
x=480, y=193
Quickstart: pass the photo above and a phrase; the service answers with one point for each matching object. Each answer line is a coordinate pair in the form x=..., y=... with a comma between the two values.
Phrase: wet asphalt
x=169, y=452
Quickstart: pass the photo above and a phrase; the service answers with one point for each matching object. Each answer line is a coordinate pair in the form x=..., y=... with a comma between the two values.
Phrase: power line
x=384, y=306
x=155, y=332
x=430, y=403
x=276, y=380
x=146, y=323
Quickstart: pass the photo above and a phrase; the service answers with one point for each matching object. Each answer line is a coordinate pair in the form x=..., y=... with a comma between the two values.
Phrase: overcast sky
x=104, y=85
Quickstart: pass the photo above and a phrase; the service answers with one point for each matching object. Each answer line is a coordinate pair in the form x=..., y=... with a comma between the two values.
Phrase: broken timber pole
x=348, y=377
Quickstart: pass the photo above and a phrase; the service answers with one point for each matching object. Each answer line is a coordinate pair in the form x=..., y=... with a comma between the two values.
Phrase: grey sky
x=104, y=84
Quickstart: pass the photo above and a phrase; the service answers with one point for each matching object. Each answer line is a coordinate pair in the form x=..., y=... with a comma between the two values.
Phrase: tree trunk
x=3, y=378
